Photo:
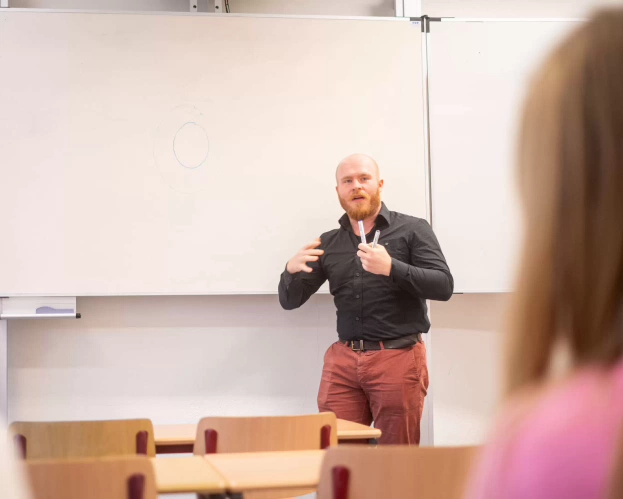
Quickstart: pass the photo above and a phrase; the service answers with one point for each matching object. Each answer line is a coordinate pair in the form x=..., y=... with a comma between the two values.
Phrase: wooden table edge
x=223, y=484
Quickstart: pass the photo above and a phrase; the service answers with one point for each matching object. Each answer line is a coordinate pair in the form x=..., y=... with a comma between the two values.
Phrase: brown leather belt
x=404, y=342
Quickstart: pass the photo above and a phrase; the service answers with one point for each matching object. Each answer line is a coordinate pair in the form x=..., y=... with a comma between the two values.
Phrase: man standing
x=377, y=370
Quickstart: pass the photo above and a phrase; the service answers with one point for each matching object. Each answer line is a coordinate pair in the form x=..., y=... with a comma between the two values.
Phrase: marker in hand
x=376, y=238
x=362, y=232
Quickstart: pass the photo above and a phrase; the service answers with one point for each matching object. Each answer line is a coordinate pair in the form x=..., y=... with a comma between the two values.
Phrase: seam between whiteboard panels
x=195, y=15
x=426, y=118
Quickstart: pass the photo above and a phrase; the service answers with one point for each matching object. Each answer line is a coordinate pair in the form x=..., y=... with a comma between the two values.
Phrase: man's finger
x=314, y=244
x=307, y=269
x=314, y=252
x=364, y=247
x=310, y=258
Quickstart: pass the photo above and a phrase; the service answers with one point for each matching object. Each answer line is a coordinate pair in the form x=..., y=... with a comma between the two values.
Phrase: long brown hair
x=570, y=172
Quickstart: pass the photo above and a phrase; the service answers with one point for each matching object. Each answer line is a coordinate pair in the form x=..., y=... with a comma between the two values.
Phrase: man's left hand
x=375, y=260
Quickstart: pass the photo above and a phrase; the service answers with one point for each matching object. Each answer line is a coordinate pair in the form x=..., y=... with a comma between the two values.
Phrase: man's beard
x=365, y=209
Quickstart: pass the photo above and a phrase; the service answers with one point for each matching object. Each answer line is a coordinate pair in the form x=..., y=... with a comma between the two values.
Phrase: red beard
x=364, y=209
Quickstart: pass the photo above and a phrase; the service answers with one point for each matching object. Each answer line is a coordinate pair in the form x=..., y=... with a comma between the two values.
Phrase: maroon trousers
x=385, y=386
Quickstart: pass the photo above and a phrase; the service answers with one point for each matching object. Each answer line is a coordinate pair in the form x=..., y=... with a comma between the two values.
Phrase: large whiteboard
x=181, y=154
x=478, y=73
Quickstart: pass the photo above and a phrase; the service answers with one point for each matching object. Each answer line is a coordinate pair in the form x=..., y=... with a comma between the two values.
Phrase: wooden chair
x=270, y=433
x=81, y=439
x=395, y=472
x=104, y=478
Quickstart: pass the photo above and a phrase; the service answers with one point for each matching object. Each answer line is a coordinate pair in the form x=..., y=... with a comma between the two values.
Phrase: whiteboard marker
x=376, y=238
x=362, y=232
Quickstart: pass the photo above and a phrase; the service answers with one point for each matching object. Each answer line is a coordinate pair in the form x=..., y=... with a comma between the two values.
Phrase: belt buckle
x=352, y=346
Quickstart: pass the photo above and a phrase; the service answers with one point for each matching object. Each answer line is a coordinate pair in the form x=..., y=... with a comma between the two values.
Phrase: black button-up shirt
x=369, y=306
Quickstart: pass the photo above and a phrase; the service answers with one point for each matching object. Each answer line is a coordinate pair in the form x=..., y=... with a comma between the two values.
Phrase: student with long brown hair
x=559, y=438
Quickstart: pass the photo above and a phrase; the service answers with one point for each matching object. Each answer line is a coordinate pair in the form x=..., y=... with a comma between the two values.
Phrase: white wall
x=172, y=359
x=466, y=366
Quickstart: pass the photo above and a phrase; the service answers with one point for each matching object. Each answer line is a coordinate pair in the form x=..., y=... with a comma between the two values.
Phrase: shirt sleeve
x=427, y=275
x=295, y=289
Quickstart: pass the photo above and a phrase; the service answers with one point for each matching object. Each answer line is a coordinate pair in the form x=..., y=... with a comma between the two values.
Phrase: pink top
x=561, y=444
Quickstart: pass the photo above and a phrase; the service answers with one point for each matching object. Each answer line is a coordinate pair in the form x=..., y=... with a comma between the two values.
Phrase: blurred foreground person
x=560, y=438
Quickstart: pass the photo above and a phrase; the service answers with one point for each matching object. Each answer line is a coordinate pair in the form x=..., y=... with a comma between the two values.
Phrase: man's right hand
x=307, y=253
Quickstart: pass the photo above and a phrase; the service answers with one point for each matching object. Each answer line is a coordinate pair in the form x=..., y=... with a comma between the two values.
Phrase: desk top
x=186, y=474
x=269, y=470
x=348, y=430
x=184, y=434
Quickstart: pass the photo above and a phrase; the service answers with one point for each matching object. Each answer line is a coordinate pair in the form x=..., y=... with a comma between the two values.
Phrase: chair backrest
x=80, y=439
x=395, y=472
x=269, y=433
x=130, y=477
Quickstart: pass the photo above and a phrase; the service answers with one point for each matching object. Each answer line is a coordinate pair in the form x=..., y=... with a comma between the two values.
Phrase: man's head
x=359, y=186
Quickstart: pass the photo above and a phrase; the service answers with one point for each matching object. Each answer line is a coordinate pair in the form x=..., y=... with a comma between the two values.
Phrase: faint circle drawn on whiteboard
x=181, y=149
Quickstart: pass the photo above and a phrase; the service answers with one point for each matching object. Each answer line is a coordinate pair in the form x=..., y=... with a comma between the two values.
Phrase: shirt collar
x=383, y=219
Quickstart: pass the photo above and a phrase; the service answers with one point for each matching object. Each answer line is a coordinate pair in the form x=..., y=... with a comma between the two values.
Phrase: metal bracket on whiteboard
x=426, y=20
x=38, y=307
x=4, y=4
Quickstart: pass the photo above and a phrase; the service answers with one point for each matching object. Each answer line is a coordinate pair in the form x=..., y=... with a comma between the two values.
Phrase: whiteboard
x=192, y=154
x=478, y=73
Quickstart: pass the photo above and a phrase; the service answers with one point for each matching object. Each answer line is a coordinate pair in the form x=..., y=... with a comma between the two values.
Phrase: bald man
x=377, y=369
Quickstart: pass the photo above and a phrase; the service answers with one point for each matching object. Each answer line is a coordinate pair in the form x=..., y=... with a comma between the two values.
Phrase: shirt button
x=356, y=318
x=356, y=296
x=357, y=274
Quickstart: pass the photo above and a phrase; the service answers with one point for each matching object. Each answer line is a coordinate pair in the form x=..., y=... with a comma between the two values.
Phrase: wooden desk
x=254, y=471
x=179, y=438
x=187, y=474
x=347, y=430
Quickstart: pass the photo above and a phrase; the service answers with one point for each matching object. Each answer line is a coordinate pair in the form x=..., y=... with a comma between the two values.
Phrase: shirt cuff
x=400, y=271
x=288, y=278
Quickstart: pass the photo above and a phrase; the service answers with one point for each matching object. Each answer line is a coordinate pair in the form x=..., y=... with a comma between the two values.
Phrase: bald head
x=358, y=162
